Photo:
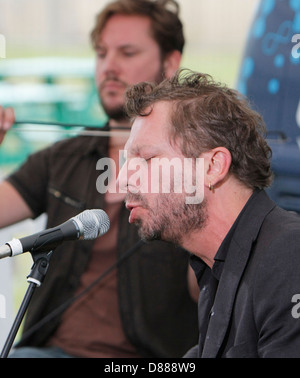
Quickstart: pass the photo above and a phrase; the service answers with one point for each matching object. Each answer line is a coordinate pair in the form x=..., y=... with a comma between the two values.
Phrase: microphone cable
x=69, y=129
x=60, y=309
x=69, y=125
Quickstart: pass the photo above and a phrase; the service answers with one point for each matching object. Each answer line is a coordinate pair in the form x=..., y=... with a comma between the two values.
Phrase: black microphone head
x=92, y=223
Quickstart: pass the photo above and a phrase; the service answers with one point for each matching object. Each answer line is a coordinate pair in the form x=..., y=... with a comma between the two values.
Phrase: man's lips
x=112, y=85
x=133, y=208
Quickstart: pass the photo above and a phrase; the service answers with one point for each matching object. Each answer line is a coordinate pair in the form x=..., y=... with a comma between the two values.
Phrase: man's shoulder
x=279, y=237
x=79, y=146
x=282, y=222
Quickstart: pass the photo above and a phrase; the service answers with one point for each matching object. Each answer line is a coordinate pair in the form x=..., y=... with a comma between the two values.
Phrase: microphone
x=87, y=225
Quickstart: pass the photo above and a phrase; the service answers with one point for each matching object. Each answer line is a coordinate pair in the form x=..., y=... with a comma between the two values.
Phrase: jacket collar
x=239, y=251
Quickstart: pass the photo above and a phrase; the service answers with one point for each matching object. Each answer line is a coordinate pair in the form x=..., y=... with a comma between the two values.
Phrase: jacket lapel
x=236, y=261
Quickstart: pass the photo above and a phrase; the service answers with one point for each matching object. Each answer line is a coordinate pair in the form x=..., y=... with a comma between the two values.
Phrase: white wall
x=221, y=23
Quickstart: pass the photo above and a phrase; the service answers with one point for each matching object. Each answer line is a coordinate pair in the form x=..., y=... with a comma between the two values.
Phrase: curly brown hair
x=167, y=28
x=206, y=115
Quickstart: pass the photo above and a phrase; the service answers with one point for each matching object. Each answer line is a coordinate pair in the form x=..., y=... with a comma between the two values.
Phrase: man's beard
x=116, y=113
x=171, y=219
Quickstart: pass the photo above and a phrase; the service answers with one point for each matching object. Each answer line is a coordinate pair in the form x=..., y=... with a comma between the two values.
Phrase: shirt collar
x=198, y=265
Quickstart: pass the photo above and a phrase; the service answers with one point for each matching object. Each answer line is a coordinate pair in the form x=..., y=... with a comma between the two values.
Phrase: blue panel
x=270, y=77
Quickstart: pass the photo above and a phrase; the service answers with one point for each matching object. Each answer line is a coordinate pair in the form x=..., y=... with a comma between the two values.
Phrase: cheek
x=143, y=70
x=164, y=204
x=98, y=75
x=99, y=64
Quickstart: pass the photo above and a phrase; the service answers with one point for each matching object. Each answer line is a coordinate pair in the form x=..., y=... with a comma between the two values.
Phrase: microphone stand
x=35, y=278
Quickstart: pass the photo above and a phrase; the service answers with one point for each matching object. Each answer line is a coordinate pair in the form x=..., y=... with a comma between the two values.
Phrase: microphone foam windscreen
x=95, y=223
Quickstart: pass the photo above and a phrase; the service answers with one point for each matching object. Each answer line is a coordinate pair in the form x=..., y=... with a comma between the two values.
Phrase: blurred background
x=48, y=75
x=48, y=72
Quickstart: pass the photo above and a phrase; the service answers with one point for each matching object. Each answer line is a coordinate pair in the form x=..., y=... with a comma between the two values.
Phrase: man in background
x=145, y=306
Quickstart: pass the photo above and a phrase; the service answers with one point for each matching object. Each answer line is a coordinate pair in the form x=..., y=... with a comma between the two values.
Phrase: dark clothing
x=245, y=306
x=157, y=313
x=96, y=314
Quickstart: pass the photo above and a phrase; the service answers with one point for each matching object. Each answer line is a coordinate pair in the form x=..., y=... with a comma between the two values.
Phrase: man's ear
x=172, y=63
x=217, y=165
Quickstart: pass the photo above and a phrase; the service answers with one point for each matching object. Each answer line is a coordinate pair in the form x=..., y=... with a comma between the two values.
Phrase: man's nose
x=110, y=64
x=122, y=179
x=133, y=176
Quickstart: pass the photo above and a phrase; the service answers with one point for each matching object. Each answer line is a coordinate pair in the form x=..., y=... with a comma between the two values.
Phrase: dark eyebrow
x=130, y=46
x=121, y=47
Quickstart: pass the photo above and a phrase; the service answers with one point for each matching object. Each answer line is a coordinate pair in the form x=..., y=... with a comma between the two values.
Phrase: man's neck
x=223, y=208
x=117, y=141
x=123, y=123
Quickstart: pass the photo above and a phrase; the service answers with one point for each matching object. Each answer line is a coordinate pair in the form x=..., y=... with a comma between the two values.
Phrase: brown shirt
x=92, y=327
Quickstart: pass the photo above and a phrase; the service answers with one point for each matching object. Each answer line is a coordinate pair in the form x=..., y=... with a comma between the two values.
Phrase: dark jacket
x=253, y=312
x=157, y=313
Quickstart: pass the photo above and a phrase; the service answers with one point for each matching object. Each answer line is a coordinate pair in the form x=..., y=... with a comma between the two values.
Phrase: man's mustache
x=136, y=198
x=110, y=79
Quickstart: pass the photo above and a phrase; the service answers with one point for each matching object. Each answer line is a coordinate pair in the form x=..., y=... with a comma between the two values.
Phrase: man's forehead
x=150, y=130
x=137, y=136
x=133, y=26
